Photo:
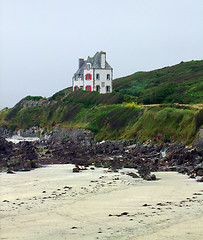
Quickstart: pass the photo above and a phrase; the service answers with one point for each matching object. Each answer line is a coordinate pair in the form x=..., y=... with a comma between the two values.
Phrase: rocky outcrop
x=31, y=132
x=5, y=132
x=76, y=136
x=198, y=143
x=79, y=147
x=32, y=103
x=17, y=157
x=6, y=148
x=180, y=158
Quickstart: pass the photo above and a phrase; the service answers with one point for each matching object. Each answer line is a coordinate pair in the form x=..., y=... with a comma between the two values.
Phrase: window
x=76, y=88
x=103, y=84
x=97, y=76
x=107, y=88
x=97, y=88
x=88, y=88
x=88, y=66
x=79, y=77
x=88, y=76
x=108, y=77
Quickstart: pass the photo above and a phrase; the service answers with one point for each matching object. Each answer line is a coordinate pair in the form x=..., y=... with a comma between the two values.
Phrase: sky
x=42, y=40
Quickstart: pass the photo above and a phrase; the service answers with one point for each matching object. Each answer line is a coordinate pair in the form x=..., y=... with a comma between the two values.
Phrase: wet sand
x=54, y=203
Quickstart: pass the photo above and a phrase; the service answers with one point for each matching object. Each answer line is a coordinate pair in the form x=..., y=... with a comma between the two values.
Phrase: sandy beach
x=54, y=203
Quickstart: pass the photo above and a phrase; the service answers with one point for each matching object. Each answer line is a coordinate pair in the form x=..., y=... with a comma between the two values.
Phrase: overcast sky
x=41, y=40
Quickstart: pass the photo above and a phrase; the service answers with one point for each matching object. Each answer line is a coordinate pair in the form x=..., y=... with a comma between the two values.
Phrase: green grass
x=89, y=99
x=182, y=83
x=114, y=121
x=165, y=123
x=116, y=115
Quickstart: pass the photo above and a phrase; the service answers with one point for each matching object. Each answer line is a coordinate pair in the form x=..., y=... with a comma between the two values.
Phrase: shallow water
x=17, y=139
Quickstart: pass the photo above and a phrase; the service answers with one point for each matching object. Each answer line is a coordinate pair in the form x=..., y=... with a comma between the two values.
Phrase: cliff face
x=164, y=123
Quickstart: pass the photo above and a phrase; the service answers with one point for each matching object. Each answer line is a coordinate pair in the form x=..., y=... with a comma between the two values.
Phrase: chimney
x=103, y=59
x=81, y=62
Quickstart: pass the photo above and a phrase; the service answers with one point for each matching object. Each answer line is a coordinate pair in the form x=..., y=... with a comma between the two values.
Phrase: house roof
x=95, y=63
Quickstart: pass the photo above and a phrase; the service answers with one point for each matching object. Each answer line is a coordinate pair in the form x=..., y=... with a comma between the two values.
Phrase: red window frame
x=88, y=66
x=76, y=88
x=90, y=88
x=90, y=76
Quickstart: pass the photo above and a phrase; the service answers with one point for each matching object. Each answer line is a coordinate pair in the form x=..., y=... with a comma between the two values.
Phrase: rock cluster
x=80, y=148
x=17, y=157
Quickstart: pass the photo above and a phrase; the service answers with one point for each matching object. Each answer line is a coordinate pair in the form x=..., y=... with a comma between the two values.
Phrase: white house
x=94, y=74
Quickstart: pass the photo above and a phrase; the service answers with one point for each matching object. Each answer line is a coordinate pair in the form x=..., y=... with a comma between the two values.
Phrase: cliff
x=123, y=114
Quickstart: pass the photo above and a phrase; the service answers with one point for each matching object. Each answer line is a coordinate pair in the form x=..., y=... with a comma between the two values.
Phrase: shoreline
x=54, y=203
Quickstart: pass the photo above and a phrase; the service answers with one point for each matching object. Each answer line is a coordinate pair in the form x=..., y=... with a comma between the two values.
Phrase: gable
x=95, y=63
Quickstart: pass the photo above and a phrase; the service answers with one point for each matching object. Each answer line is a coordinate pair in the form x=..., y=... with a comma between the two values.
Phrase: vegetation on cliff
x=118, y=115
x=182, y=83
x=112, y=121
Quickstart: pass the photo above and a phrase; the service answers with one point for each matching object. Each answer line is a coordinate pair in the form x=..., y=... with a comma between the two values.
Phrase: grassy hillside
x=112, y=121
x=117, y=115
x=182, y=83
x=63, y=110
x=128, y=121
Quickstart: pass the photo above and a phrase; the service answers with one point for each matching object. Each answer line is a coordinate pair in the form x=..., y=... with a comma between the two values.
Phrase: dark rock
x=149, y=177
x=192, y=175
x=160, y=204
x=198, y=143
x=124, y=213
x=76, y=169
x=6, y=151
x=199, y=171
x=26, y=169
x=80, y=148
x=200, y=179
x=153, y=177
x=132, y=174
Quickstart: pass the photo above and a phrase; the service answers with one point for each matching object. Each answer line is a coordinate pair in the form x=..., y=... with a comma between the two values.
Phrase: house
x=94, y=74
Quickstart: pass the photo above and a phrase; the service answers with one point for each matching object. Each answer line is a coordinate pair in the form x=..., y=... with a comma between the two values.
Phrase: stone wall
x=36, y=103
